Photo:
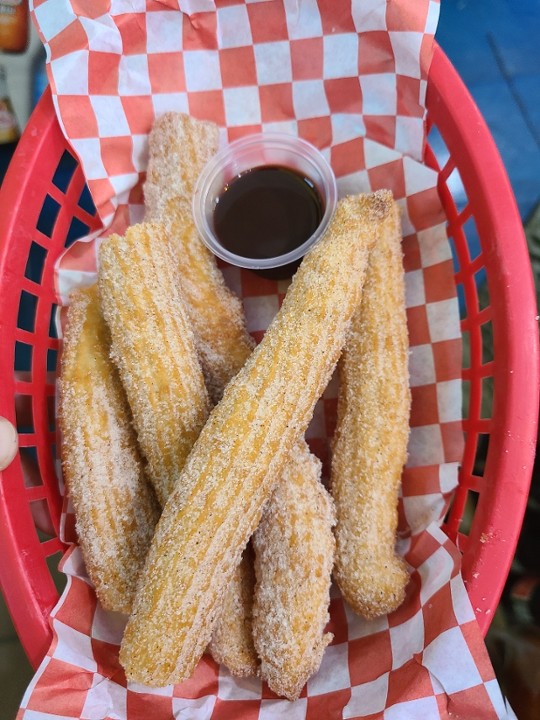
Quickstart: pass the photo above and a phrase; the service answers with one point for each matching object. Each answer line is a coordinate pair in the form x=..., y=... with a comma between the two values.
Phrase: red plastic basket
x=44, y=209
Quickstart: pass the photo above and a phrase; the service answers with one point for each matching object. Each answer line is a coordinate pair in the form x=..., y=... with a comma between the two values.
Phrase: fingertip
x=8, y=443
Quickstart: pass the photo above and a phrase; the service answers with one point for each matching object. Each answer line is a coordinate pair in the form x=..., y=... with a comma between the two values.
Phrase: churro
x=115, y=507
x=179, y=147
x=232, y=470
x=232, y=636
x=294, y=555
x=154, y=349
x=371, y=436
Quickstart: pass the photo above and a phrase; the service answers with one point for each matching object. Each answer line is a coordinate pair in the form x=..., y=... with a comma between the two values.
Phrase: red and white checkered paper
x=351, y=78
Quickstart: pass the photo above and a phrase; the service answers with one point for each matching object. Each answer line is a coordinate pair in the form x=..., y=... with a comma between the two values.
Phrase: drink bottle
x=14, y=27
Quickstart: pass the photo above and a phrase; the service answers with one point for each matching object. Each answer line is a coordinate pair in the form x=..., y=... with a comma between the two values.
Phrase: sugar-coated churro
x=216, y=314
x=154, y=348
x=179, y=147
x=371, y=437
x=115, y=507
x=232, y=636
x=241, y=451
x=294, y=555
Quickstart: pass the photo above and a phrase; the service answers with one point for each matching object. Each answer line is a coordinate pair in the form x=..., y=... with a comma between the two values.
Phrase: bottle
x=9, y=127
x=14, y=26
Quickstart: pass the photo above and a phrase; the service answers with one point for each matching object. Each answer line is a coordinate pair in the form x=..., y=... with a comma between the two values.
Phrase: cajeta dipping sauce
x=267, y=211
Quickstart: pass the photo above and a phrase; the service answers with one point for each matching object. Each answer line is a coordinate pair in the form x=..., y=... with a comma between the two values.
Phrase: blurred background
x=494, y=45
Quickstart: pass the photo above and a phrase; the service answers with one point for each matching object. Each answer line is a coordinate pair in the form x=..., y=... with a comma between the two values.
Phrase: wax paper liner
x=351, y=78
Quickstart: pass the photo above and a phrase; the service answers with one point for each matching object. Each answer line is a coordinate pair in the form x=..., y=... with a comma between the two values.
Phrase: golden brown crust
x=154, y=349
x=179, y=147
x=116, y=510
x=216, y=314
x=294, y=555
x=232, y=637
x=241, y=452
x=371, y=436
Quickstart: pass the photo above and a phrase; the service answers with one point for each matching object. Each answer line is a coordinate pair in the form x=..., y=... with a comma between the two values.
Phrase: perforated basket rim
x=499, y=513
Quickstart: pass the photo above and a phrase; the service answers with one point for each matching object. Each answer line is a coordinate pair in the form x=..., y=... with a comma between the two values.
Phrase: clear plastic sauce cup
x=274, y=183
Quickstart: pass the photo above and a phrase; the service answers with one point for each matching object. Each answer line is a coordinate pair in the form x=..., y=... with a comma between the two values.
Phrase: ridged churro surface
x=294, y=556
x=179, y=147
x=115, y=507
x=216, y=314
x=232, y=636
x=242, y=450
x=154, y=348
x=371, y=436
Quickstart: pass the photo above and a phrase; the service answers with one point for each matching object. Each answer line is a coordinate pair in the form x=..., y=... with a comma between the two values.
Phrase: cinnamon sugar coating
x=232, y=637
x=242, y=450
x=294, y=555
x=370, y=445
x=115, y=507
x=179, y=147
x=154, y=348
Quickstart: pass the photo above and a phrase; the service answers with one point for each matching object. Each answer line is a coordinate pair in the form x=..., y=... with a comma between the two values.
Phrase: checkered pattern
x=330, y=71
x=350, y=78
x=426, y=660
